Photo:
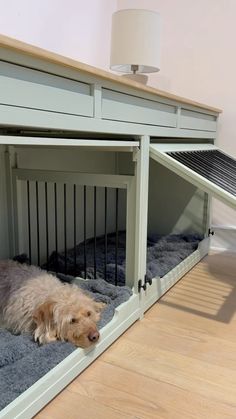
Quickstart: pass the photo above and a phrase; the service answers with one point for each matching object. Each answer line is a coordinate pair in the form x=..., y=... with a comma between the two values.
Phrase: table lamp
x=135, y=43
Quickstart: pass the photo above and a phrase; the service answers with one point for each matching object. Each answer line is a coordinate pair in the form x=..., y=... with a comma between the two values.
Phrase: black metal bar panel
x=46, y=221
x=65, y=230
x=218, y=165
x=95, y=231
x=117, y=236
x=85, y=233
x=224, y=157
x=56, y=232
x=29, y=220
x=213, y=165
x=37, y=220
x=105, y=235
x=206, y=169
x=75, y=229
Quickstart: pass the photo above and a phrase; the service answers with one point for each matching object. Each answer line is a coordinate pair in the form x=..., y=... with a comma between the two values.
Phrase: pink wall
x=198, y=61
x=76, y=28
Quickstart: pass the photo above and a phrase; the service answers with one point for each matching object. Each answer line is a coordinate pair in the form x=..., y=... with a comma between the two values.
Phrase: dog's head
x=72, y=322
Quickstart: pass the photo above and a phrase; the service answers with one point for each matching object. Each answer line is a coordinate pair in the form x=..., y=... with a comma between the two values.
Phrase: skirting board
x=161, y=285
x=224, y=238
x=39, y=394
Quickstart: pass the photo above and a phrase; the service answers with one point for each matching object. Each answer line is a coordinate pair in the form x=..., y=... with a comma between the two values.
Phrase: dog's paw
x=43, y=338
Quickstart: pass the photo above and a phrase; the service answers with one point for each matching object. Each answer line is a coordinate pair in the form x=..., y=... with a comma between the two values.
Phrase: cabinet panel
x=24, y=87
x=128, y=108
x=197, y=120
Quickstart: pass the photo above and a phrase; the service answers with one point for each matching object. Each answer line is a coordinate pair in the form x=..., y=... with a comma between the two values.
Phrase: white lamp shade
x=135, y=40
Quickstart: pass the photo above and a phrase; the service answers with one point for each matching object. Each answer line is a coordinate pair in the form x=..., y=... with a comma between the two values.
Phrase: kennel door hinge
x=144, y=286
x=210, y=232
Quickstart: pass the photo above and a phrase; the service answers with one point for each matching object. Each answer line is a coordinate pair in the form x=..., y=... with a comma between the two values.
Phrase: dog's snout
x=93, y=336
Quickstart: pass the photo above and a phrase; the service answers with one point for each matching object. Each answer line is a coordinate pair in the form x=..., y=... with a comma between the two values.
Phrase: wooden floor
x=178, y=362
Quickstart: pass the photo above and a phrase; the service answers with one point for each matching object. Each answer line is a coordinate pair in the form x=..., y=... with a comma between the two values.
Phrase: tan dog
x=31, y=300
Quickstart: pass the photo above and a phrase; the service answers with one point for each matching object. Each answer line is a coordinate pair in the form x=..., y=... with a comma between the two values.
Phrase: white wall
x=198, y=61
x=76, y=28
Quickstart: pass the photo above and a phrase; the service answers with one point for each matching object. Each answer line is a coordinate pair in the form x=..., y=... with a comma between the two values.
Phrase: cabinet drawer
x=121, y=107
x=197, y=120
x=20, y=86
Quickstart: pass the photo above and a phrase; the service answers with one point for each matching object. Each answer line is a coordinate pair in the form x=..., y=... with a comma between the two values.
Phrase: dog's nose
x=93, y=336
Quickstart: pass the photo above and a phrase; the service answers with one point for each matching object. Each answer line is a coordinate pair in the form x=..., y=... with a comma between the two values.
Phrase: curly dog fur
x=34, y=301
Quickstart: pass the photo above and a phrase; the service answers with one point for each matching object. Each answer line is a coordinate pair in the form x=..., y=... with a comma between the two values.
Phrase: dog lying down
x=36, y=302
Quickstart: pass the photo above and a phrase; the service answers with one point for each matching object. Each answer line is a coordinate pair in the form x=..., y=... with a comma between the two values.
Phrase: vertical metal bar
x=29, y=221
x=105, y=221
x=117, y=236
x=95, y=232
x=37, y=220
x=65, y=231
x=56, y=233
x=75, y=230
x=85, y=222
x=46, y=220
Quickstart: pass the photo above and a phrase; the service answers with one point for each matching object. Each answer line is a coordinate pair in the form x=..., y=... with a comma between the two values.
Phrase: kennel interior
x=66, y=220
x=75, y=223
x=81, y=224
x=69, y=219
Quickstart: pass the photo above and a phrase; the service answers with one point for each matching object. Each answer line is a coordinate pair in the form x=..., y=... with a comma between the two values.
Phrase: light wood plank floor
x=179, y=362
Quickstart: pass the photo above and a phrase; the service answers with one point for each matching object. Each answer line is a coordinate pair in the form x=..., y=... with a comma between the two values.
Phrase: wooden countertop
x=36, y=52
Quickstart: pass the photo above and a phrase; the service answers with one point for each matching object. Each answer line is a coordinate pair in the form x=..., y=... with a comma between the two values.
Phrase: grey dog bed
x=163, y=254
x=23, y=362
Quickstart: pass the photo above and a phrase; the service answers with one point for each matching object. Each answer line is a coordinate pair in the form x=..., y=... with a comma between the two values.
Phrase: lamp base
x=138, y=77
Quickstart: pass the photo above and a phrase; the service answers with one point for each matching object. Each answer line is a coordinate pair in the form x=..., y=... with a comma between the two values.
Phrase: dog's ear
x=99, y=306
x=44, y=313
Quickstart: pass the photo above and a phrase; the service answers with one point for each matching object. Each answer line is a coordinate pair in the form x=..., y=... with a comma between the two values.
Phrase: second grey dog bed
x=23, y=362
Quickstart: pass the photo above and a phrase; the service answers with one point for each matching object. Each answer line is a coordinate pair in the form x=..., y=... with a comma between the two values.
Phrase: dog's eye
x=89, y=313
x=73, y=320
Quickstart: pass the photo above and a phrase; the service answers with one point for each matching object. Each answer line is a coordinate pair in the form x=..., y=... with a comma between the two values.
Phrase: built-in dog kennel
x=80, y=224
x=97, y=186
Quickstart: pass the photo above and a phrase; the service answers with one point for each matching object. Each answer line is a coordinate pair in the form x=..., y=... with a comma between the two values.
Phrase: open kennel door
x=203, y=165
x=181, y=179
